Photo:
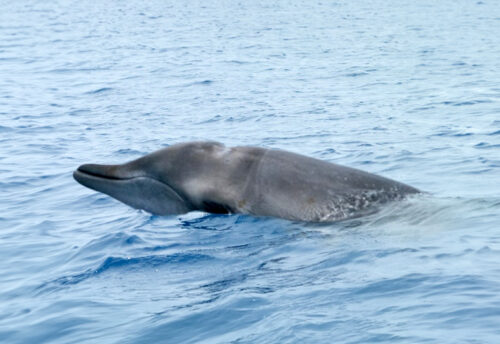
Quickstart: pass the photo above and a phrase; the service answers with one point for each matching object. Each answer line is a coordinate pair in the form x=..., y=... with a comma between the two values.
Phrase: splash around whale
x=210, y=177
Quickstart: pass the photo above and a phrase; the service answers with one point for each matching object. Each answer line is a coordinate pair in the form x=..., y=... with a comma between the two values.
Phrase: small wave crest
x=100, y=90
x=128, y=264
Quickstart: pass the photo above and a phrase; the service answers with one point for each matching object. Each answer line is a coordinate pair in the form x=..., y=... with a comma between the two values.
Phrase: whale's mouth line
x=99, y=175
x=92, y=174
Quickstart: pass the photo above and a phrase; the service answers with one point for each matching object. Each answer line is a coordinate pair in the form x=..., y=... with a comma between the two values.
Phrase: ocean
x=409, y=90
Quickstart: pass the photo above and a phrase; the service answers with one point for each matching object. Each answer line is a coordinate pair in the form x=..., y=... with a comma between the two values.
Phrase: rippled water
x=409, y=90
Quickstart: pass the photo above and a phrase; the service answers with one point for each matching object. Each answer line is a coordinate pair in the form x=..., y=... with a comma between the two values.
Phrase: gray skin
x=211, y=177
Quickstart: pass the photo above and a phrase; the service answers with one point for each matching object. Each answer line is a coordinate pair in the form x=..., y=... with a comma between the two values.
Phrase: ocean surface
x=406, y=89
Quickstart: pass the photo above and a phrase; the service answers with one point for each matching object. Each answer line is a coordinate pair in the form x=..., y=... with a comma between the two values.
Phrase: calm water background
x=406, y=89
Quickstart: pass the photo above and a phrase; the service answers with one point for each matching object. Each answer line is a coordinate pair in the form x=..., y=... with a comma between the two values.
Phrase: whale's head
x=153, y=182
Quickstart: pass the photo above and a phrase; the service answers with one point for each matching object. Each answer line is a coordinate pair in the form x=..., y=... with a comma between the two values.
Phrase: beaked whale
x=211, y=177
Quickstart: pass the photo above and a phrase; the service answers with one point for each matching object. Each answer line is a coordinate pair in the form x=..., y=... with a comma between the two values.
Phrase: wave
x=125, y=264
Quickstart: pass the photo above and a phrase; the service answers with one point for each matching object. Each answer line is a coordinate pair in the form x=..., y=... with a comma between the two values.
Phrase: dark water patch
x=477, y=171
x=204, y=82
x=158, y=248
x=151, y=261
x=79, y=112
x=216, y=118
x=356, y=74
x=100, y=90
x=325, y=152
x=386, y=253
x=34, y=129
x=201, y=83
x=473, y=102
x=466, y=103
x=225, y=284
x=422, y=108
x=452, y=133
x=486, y=145
x=238, y=62
x=76, y=70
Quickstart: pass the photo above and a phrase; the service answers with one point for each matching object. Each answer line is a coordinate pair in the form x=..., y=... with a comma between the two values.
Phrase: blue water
x=406, y=89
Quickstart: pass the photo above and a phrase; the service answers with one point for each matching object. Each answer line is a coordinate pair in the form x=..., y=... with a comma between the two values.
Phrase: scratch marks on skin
x=346, y=206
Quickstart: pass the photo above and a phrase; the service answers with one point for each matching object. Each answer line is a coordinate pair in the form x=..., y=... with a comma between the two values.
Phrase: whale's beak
x=99, y=171
x=132, y=186
x=102, y=177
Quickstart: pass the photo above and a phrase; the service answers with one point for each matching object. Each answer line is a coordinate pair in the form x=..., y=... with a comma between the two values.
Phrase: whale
x=211, y=177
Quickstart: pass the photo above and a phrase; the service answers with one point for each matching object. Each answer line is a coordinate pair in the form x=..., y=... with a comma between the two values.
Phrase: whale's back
x=298, y=187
